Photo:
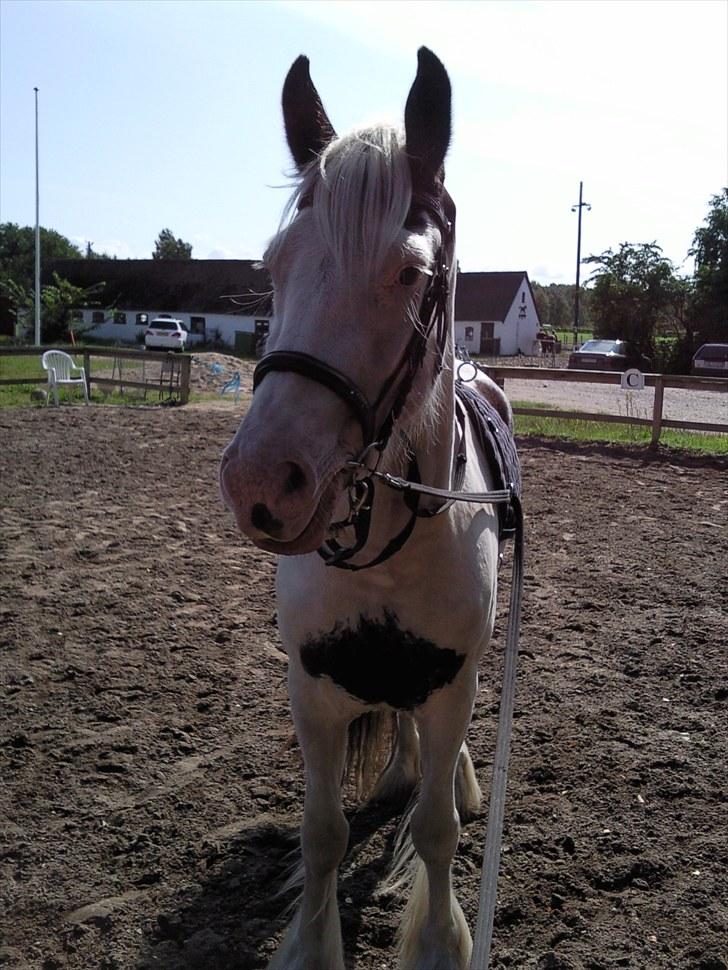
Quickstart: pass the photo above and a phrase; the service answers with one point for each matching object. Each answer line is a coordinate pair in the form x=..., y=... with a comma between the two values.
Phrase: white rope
x=403, y=485
x=496, y=811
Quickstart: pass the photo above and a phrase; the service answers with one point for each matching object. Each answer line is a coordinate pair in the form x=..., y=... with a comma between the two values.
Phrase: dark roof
x=207, y=285
x=175, y=285
x=486, y=296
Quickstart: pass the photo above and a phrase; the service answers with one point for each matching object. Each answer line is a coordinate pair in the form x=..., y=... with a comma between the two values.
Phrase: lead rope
x=480, y=958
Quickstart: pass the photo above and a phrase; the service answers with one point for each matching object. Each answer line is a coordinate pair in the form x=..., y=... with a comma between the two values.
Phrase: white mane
x=360, y=191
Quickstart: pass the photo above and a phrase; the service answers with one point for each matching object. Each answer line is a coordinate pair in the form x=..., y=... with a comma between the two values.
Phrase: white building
x=229, y=301
x=225, y=301
x=495, y=314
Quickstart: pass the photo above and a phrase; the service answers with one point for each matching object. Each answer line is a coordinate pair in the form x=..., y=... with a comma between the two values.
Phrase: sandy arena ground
x=151, y=790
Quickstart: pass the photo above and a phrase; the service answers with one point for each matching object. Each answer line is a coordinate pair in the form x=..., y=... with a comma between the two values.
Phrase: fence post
x=657, y=411
x=87, y=370
x=184, y=389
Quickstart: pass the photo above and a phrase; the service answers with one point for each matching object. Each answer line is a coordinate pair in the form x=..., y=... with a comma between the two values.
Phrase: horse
x=386, y=595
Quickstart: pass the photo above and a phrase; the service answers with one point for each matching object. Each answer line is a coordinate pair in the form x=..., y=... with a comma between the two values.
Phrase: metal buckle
x=358, y=465
x=359, y=494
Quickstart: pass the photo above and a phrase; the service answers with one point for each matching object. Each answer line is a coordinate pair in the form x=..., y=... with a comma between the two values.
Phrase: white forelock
x=360, y=191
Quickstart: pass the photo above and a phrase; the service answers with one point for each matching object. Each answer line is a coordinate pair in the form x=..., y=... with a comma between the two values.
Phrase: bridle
x=377, y=428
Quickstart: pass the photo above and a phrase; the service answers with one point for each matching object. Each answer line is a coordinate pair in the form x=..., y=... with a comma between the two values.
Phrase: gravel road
x=678, y=405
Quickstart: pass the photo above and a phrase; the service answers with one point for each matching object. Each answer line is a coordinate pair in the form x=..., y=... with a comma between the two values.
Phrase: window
x=119, y=316
x=98, y=316
x=77, y=316
x=261, y=335
x=142, y=319
x=469, y=333
x=197, y=325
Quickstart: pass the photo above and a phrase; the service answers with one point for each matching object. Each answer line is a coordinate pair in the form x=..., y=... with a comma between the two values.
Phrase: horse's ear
x=427, y=121
x=308, y=129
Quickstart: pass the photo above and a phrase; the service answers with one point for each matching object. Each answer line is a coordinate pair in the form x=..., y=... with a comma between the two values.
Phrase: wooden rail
x=176, y=381
x=497, y=372
x=658, y=381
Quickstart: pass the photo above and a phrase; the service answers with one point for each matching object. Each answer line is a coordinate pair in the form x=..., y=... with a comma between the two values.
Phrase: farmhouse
x=495, y=313
x=229, y=301
x=221, y=300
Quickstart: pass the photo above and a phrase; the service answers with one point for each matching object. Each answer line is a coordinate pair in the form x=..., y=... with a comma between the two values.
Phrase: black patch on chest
x=379, y=663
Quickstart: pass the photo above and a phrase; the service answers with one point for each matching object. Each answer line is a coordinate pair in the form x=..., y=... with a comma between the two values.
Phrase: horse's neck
x=436, y=441
x=432, y=439
x=436, y=449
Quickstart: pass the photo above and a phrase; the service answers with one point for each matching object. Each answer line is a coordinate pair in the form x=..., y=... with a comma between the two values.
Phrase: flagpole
x=37, y=231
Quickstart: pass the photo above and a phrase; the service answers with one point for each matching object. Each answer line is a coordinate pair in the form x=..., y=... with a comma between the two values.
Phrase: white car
x=166, y=332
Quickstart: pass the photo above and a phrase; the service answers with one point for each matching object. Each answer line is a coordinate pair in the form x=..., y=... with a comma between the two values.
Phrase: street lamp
x=578, y=207
x=37, y=231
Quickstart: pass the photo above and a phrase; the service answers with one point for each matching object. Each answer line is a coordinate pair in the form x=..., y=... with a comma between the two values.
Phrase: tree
x=635, y=290
x=57, y=300
x=555, y=305
x=708, y=303
x=167, y=247
x=17, y=251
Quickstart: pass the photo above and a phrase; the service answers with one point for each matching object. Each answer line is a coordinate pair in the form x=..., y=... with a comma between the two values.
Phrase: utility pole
x=37, y=231
x=581, y=204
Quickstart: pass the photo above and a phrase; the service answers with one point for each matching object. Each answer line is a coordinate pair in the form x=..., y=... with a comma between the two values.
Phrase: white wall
x=224, y=323
x=467, y=334
x=518, y=330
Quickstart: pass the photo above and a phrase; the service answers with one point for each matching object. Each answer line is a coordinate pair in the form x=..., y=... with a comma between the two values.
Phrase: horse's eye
x=409, y=276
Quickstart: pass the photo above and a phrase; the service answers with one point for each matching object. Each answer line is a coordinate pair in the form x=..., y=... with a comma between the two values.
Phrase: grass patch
x=567, y=336
x=706, y=443
x=12, y=368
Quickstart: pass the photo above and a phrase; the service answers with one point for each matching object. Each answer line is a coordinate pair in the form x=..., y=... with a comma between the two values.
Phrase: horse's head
x=359, y=272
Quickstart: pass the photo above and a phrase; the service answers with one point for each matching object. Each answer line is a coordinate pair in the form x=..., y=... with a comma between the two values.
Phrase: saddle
x=499, y=446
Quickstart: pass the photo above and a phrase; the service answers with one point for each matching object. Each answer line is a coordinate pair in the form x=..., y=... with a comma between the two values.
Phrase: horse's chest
x=379, y=663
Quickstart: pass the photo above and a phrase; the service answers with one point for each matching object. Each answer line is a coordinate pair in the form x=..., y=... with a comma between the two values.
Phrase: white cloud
x=111, y=247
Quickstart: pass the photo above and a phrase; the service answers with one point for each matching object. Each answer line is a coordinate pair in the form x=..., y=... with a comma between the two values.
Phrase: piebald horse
x=386, y=599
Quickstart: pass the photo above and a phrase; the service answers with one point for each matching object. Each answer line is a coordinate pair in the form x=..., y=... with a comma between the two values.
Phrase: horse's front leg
x=434, y=934
x=313, y=940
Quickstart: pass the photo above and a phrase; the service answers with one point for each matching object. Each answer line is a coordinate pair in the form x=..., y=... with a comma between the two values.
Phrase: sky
x=166, y=114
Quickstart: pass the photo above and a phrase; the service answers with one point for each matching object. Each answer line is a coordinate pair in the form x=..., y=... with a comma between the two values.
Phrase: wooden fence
x=171, y=380
x=174, y=382
x=659, y=381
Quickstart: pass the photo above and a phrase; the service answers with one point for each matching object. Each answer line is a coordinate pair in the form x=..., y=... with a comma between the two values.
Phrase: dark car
x=617, y=355
x=711, y=360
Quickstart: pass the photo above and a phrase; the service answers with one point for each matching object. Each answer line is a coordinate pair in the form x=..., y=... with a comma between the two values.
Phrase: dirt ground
x=151, y=790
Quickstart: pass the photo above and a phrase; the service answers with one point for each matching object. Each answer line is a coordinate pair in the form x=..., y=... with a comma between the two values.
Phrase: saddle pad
x=499, y=445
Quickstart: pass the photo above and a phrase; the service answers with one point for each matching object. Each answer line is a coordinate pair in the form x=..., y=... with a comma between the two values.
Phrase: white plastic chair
x=61, y=367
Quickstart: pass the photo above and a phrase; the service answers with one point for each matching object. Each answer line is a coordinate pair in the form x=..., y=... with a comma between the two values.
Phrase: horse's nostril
x=261, y=518
x=296, y=478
